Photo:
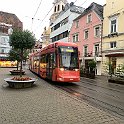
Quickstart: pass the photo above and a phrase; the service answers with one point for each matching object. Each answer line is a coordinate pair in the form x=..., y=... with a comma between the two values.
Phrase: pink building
x=86, y=32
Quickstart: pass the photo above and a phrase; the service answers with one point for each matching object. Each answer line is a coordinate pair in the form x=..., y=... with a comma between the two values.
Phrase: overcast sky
x=26, y=9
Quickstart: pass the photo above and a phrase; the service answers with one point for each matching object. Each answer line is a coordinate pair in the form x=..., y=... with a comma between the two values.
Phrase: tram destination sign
x=67, y=49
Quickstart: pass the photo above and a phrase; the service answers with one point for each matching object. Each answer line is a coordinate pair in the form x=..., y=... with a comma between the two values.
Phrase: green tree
x=92, y=65
x=15, y=55
x=21, y=42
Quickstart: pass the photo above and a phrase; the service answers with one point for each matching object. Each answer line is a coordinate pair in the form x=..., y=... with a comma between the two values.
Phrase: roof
x=93, y=7
x=73, y=8
x=10, y=18
x=56, y=1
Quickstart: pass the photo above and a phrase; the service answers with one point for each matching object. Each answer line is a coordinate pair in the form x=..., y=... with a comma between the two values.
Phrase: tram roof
x=55, y=44
x=59, y=43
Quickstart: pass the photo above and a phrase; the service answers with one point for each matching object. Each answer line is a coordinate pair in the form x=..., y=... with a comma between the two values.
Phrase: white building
x=58, y=6
x=4, y=45
x=61, y=27
x=5, y=30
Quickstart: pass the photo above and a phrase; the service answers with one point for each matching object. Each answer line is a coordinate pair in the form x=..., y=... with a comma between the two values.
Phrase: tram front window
x=68, y=58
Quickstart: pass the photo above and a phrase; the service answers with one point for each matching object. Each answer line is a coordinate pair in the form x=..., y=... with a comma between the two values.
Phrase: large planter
x=116, y=80
x=17, y=72
x=20, y=84
x=88, y=75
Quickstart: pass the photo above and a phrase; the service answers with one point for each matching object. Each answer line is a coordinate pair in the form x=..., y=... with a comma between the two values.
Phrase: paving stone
x=45, y=104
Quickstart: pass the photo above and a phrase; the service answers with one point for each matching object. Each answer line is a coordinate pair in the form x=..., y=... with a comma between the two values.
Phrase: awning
x=115, y=54
x=4, y=58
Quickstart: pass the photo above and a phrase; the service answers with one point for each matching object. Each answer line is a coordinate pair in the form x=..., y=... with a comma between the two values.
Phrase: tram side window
x=43, y=61
x=51, y=60
x=35, y=62
x=54, y=60
x=32, y=60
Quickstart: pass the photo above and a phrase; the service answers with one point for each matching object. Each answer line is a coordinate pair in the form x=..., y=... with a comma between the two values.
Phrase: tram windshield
x=68, y=57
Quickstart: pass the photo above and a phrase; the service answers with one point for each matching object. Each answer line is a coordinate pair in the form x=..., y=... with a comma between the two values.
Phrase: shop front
x=5, y=62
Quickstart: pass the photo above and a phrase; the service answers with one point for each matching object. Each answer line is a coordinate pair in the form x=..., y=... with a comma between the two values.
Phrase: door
x=49, y=67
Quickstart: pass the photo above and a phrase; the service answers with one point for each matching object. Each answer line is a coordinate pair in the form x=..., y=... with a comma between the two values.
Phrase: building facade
x=61, y=27
x=4, y=45
x=45, y=37
x=86, y=31
x=113, y=34
x=8, y=22
x=58, y=6
x=12, y=19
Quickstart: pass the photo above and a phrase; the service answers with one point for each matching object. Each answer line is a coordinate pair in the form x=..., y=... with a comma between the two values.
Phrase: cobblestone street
x=45, y=104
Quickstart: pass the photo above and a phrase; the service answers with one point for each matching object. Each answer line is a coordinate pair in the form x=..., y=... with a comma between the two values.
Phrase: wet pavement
x=99, y=93
x=45, y=104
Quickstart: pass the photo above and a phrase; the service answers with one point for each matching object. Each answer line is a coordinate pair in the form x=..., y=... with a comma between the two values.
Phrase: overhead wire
x=35, y=14
x=47, y=15
x=50, y=11
x=44, y=18
x=83, y=3
x=37, y=9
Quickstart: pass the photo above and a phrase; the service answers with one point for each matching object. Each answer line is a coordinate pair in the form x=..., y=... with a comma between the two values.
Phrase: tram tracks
x=115, y=110
x=91, y=82
x=100, y=89
x=69, y=88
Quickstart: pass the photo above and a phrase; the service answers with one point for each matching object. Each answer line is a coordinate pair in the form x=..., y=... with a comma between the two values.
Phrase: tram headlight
x=76, y=69
x=61, y=69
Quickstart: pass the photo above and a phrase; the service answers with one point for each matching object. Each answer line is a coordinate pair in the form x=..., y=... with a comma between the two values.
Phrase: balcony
x=115, y=54
x=97, y=56
x=113, y=34
x=88, y=54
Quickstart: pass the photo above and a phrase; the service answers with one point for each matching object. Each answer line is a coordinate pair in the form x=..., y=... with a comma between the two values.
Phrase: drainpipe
x=101, y=34
x=101, y=43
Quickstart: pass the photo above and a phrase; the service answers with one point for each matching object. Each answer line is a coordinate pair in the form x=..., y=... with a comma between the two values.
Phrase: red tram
x=59, y=61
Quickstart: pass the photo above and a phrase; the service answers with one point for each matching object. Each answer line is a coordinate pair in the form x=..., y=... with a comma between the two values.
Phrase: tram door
x=49, y=67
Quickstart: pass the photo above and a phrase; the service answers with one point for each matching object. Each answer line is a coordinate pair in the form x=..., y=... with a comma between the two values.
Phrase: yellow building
x=113, y=34
x=45, y=37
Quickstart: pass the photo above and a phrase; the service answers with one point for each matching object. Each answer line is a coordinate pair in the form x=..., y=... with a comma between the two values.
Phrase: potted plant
x=118, y=75
x=21, y=42
x=92, y=66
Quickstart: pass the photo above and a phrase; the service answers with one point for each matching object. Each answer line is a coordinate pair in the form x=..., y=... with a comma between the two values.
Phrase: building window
x=58, y=8
x=89, y=18
x=77, y=24
x=75, y=38
x=113, y=44
x=52, y=29
x=97, y=31
x=97, y=50
x=85, y=50
x=62, y=7
x=56, y=26
x=55, y=9
x=86, y=34
x=4, y=40
x=64, y=21
x=65, y=34
x=113, y=25
x=2, y=50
